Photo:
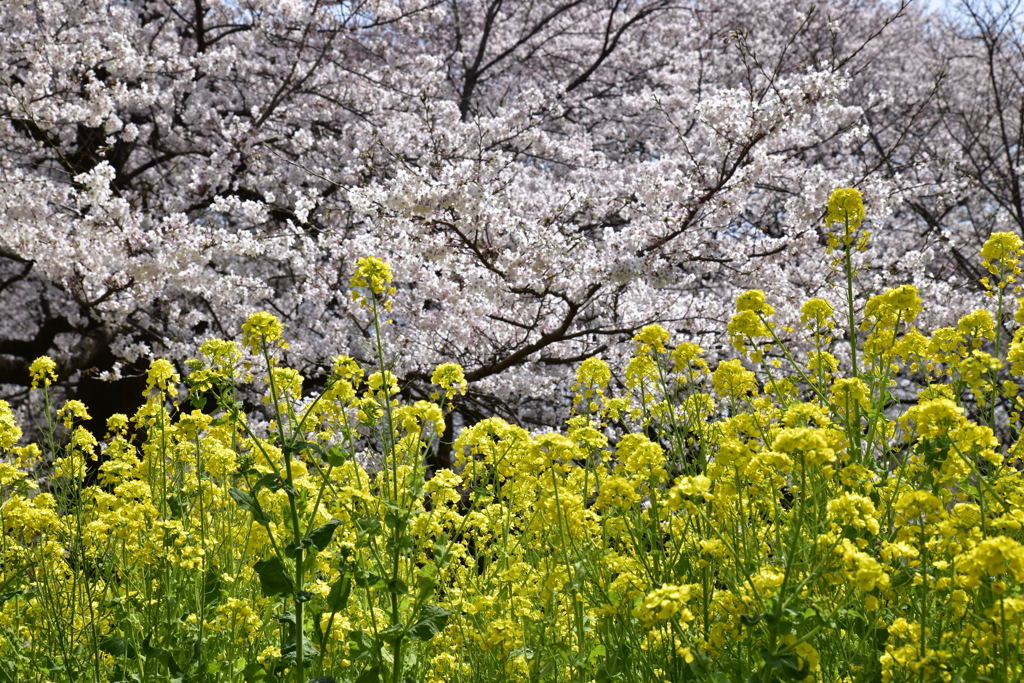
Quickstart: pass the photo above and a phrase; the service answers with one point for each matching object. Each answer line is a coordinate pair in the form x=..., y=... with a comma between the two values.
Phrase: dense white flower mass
x=545, y=177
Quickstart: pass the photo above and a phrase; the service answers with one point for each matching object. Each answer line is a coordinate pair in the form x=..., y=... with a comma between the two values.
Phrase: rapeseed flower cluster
x=779, y=517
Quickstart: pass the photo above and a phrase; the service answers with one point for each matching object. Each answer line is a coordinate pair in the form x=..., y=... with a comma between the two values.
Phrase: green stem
x=851, y=323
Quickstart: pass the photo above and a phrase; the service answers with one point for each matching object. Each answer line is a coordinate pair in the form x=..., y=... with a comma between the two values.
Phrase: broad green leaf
x=371, y=675
x=337, y=599
x=117, y=646
x=274, y=579
x=247, y=501
x=213, y=587
x=432, y=620
x=393, y=633
x=426, y=581
x=320, y=537
x=335, y=457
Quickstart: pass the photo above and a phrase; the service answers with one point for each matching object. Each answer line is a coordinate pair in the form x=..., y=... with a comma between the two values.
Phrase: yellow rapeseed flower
x=755, y=301
x=918, y=507
x=846, y=208
x=806, y=441
x=162, y=375
x=845, y=205
x=43, y=370
x=979, y=325
x=848, y=393
x=261, y=328
x=696, y=488
x=1001, y=252
x=897, y=304
x=71, y=410
x=746, y=327
x=372, y=276
x=992, y=557
x=932, y=418
x=651, y=337
x=450, y=378
x=816, y=314
x=664, y=603
x=10, y=432
x=732, y=380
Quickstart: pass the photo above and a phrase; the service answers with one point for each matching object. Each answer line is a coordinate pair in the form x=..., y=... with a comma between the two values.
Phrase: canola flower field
x=794, y=524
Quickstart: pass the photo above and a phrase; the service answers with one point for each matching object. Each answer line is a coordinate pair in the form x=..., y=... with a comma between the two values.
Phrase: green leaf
x=213, y=587
x=700, y=665
x=117, y=646
x=901, y=578
x=787, y=663
x=366, y=529
x=299, y=446
x=248, y=502
x=174, y=503
x=267, y=481
x=432, y=620
x=4, y=597
x=396, y=517
x=366, y=579
x=750, y=620
x=254, y=672
x=361, y=646
x=393, y=633
x=197, y=652
x=335, y=457
x=426, y=581
x=442, y=553
x=309, y=651
x=416, y=487
x=337, y=599
x=320, y=537
x=274, y=579
x=371, y=675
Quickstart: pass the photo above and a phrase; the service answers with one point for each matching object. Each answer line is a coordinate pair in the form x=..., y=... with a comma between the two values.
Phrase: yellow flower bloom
x=641, y=457
x=220, y=352
x=451, y=379
x=43, y=370
x=805, y=441
x=71, y=410
x=686, y=358
x=732, y=380
x=897, y=304
x=665, y=603
x=618, y=492
x=932, y=418
x=261, y=328
x=919, y=508
x=992, y=558
x=373, y=276
x=978, y=324
x=10, y=432
x=1001, y=250
x=162, y=375
x=695, y=488
x=746, y=327
x=846, y=206
x=854, y=511
x=848, y=393
x=816, y=314
x=651, y=337
x=755, y=301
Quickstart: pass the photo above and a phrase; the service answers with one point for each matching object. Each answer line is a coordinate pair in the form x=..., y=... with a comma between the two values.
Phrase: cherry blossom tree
x=545, y=177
